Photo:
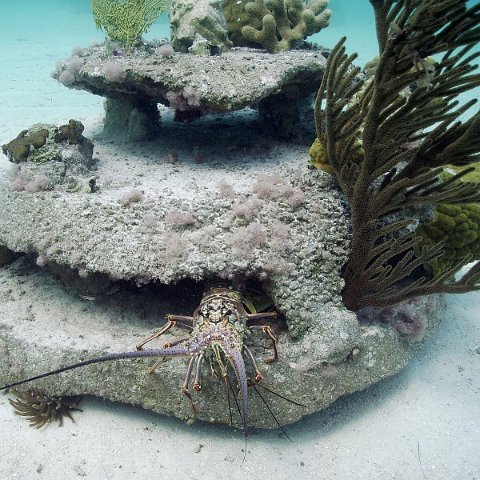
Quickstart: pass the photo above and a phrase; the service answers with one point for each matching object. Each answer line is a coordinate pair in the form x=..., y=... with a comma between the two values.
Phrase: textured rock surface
x=43, y=327
x=211, y=214
x=244, y=209
x=195, y=85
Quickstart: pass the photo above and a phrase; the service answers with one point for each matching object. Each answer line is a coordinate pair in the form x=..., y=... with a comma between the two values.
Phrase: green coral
x=237, y=18
x=274, y=24
x=458, y=228
x=43, y=143
x=125, y=21
x=71, y=132
x=319, y=155
x=51, y=153
x=472, y=176
x=20, y=148
x=72, y=185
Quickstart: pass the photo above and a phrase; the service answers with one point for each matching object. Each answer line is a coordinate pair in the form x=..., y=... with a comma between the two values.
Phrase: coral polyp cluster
x=40, y=408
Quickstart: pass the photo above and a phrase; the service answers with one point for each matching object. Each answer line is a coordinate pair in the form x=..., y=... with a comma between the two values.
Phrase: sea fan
x=40, y=408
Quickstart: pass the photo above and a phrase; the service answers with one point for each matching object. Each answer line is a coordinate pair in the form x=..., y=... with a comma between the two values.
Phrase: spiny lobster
x=219, y=326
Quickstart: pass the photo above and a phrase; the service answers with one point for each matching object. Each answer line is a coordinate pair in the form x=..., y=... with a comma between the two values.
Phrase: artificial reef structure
x=224, y=190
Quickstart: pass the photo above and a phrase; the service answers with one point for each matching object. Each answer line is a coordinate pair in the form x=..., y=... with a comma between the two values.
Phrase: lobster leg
x=172, y=321
x=164, y=329
x=175, y=342
x=258, y=373
x=262, y=316
x=267, y=330
x=197, y=384
x=152, y=369
x=186, y=383
x=182, y=320
x=167, y=345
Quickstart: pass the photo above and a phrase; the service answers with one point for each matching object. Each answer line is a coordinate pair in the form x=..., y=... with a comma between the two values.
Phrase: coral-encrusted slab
x=195, y=210
x=193, y=85
x=221, y=83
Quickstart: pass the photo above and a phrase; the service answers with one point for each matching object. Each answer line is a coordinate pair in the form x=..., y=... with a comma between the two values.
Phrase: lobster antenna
x=161, y=352
x=239, y=412
x=273, y=392
x=235, y=400
x=271, y=413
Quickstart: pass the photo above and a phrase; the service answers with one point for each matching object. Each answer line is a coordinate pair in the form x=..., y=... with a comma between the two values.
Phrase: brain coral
x=458, y=226
x=319, y=155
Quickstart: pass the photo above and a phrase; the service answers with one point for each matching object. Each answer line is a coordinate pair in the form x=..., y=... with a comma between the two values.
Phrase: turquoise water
x=37, y=34
x=30, y=45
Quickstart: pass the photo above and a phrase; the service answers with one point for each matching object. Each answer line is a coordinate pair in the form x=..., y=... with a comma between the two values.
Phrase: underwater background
x=33, y=43
x=421, y=423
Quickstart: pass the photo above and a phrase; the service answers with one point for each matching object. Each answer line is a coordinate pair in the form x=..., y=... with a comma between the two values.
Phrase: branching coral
x=276, y=24
x=406, y=139
x=125, y=21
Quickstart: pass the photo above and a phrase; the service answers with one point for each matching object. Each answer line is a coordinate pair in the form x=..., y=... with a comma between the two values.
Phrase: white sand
x=421, y=424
